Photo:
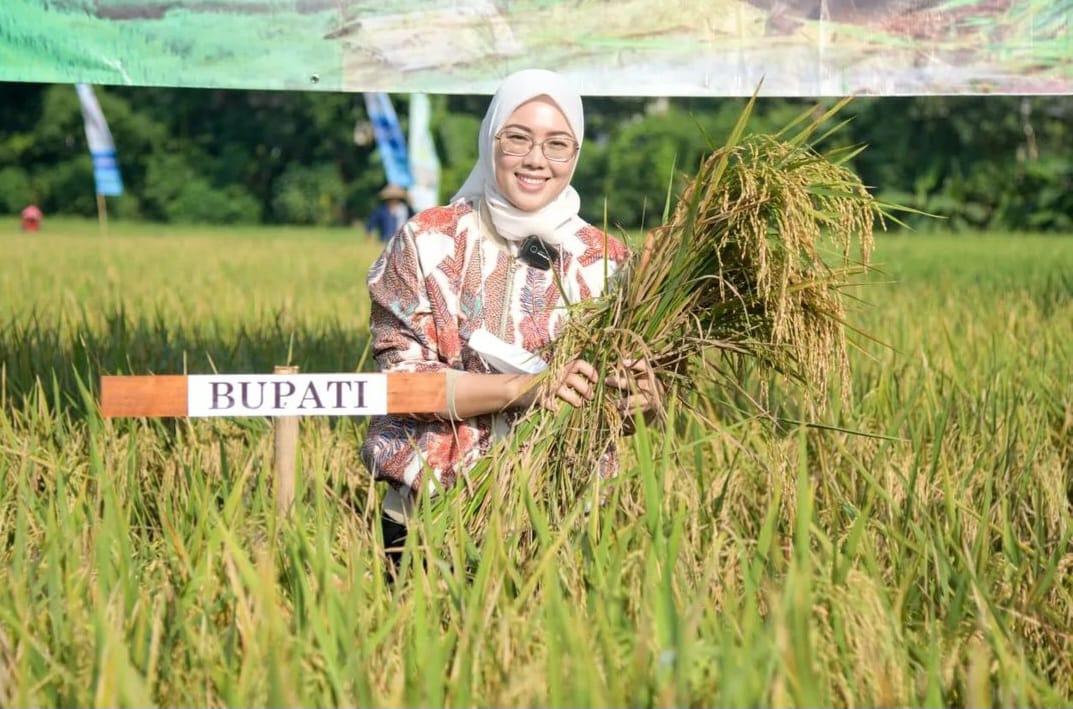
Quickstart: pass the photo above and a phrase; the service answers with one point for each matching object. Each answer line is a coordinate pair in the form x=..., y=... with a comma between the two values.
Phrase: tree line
x=230, y=157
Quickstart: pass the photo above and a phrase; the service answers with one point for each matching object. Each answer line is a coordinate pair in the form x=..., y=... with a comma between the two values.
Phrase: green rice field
x=912, y=548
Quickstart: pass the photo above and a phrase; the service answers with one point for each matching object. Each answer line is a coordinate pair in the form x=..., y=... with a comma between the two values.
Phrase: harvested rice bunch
x=748, y=269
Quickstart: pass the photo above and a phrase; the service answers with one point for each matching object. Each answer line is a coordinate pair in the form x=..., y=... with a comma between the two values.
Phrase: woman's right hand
x=576, y=386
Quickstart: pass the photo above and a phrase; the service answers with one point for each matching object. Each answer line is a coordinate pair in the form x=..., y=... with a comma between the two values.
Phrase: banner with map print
x=607, y=47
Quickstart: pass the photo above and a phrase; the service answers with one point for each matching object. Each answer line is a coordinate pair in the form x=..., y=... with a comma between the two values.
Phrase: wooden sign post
x=284, y=452
x=284, y=395
x=205, y=395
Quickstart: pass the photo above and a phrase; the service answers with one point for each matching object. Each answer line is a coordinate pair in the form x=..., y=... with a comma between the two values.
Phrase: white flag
x=424, y=164
x=101, y=147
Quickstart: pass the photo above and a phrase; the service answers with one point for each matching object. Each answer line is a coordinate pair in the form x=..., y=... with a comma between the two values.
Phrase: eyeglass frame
x=533, y=144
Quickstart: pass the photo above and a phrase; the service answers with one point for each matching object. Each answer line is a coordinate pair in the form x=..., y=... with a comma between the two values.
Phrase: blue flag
x=101, y=147
x=389, y=139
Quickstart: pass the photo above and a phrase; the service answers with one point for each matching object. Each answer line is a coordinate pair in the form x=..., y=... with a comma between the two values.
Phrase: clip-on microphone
x=537, y=254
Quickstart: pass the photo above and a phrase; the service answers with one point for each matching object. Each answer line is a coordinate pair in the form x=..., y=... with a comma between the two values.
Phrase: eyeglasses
x=557, y=149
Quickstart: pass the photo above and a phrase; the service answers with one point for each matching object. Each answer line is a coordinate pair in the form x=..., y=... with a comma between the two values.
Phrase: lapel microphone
x=537, y=254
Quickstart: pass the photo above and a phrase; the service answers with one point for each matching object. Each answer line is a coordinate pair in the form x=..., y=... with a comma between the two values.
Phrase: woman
x=473, y=289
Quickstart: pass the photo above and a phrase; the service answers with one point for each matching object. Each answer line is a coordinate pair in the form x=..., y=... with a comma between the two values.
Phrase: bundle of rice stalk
x=750, y=266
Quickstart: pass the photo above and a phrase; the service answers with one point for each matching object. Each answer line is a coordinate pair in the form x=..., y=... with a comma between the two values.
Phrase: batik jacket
x=441, y=277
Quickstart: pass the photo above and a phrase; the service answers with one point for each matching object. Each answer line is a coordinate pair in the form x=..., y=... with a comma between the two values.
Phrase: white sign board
x=286, y=395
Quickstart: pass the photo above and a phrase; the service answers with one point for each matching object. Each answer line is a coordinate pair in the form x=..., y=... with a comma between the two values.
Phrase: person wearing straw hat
x=394, y=209
x=477, y=288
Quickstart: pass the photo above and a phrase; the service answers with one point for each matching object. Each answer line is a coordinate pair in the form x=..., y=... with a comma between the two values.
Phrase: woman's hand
x=635, y=379
x=576, y=386
x=641, y=391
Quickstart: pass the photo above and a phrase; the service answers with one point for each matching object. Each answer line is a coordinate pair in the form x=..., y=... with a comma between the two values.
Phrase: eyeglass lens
x=557, y=148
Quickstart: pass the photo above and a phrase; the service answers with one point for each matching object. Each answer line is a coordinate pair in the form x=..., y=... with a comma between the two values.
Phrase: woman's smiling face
x=531, y=181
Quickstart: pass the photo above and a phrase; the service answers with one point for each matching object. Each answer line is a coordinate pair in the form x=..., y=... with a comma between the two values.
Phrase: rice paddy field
x=910, y=548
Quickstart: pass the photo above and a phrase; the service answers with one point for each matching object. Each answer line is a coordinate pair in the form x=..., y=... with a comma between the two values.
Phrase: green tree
x=275, y=157
x=976, y=161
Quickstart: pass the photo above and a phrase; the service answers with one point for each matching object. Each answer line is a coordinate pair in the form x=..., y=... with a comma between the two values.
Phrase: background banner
x=625, y=47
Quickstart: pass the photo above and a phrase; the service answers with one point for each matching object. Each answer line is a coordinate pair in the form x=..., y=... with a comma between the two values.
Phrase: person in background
x=478, y=287
x=394, y=209
x=31, y=218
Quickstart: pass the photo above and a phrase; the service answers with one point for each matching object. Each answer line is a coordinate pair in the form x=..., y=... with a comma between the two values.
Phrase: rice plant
x=732, y=564
x=746, y=273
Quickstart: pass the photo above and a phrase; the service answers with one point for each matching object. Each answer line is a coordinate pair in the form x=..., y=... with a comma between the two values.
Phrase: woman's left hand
x=641, y=391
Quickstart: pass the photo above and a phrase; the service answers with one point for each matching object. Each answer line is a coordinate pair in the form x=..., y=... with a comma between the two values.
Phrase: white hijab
x=553, y=222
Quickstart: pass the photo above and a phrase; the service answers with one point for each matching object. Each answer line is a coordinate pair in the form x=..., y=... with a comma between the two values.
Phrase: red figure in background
x=31, y=218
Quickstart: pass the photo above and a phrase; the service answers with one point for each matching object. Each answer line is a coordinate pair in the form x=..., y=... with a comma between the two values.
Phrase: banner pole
x=285, y=432
x=102, y=214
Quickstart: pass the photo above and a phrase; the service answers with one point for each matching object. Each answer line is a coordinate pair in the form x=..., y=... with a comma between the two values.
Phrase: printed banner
x=424, y=164
x=623, y=48
x=101, y=148
x=389, y=140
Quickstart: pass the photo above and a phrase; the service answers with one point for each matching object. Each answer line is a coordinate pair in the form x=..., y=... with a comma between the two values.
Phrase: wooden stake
x=102, y=214
x=285, y=429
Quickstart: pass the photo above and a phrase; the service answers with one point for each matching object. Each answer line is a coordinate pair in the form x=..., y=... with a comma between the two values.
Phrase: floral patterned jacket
x=441, y=277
